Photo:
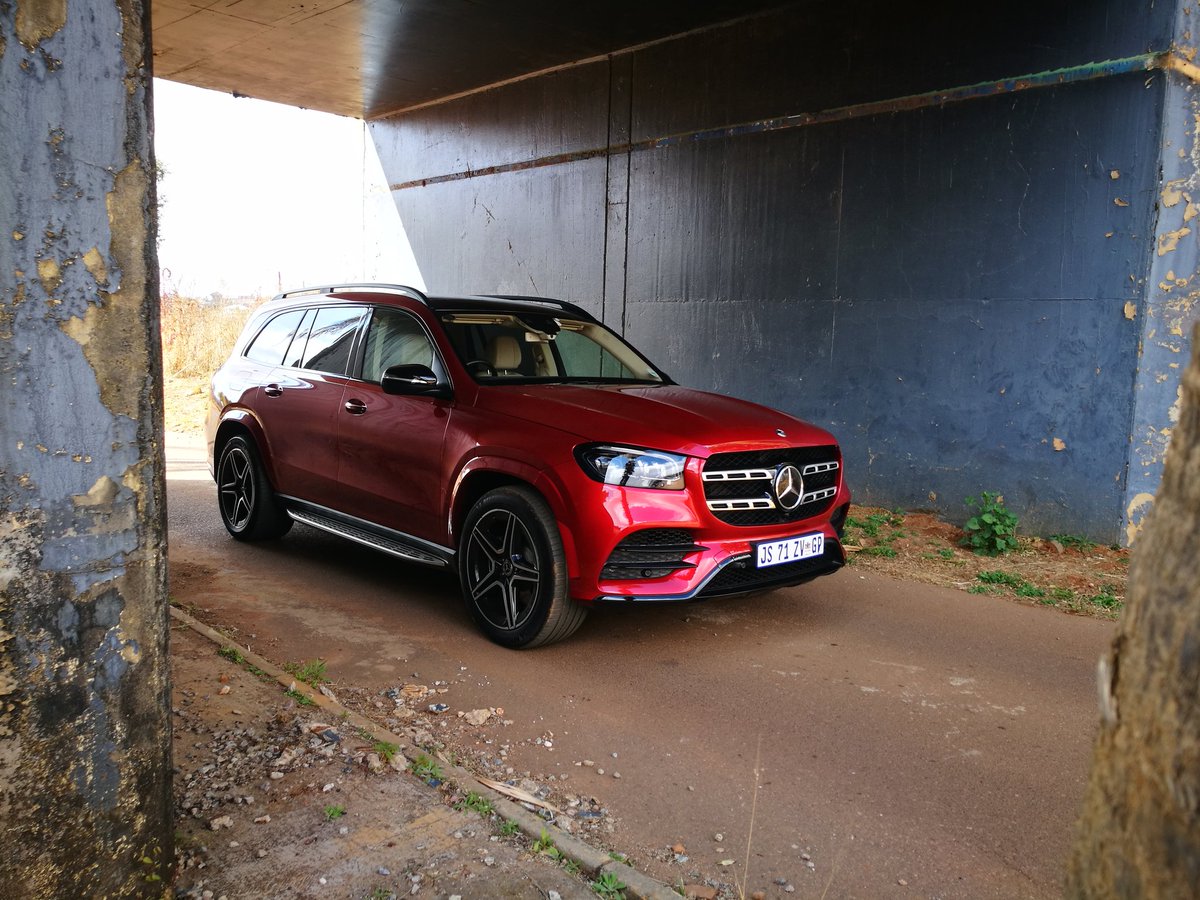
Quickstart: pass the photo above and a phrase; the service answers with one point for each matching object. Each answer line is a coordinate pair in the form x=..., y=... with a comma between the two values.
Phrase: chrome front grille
x=739, y=487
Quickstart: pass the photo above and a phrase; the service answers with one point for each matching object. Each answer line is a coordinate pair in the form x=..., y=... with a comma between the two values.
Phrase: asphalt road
x=910, y=741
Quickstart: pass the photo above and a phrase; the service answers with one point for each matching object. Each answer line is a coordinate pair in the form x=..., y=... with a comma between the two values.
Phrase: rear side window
x=330, y=340
x=272, y=342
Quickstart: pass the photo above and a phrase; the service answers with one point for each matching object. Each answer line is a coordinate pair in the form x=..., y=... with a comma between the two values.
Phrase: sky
x=259, y=197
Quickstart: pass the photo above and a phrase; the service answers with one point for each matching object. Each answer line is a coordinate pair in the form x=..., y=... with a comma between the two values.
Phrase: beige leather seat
x=504, y=355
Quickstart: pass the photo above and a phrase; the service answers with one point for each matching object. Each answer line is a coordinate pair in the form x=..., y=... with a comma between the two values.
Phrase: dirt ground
x=1067, y=572
x=277, y=798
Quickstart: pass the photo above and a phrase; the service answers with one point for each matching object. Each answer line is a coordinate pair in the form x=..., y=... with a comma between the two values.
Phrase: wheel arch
x=241, y=423
x=482, y=475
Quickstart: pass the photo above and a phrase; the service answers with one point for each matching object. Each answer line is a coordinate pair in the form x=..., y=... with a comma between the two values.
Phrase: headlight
x=628, y=467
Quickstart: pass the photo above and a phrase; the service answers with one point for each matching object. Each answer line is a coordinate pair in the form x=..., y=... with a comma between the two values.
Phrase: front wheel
x=248, y=505
x=513, y=570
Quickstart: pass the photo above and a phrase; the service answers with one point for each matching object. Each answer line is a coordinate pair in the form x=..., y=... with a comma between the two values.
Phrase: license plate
x=772, y=553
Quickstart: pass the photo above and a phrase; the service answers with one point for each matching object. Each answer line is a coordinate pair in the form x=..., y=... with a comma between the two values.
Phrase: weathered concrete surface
x=84, y=724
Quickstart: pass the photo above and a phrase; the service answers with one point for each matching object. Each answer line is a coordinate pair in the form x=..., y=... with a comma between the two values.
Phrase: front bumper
x=722, y=558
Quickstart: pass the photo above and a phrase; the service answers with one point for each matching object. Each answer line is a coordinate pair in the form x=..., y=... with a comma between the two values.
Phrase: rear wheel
x=513, y=571
x=249, y=508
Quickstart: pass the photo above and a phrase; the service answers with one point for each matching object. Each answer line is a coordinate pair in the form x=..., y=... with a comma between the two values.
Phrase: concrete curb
x=591, y=861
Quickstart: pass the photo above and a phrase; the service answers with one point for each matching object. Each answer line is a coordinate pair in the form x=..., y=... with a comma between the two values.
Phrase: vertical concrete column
x=84, y=700
x=1171, y=303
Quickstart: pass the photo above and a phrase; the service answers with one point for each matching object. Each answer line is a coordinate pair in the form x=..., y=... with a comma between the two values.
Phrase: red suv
x=522, y=442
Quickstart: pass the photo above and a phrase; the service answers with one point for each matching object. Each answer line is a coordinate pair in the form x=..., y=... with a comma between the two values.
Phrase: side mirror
x=413, y=381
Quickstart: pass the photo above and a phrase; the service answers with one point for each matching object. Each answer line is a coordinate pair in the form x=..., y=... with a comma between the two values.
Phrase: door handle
x=273, y=390
x=355, y=407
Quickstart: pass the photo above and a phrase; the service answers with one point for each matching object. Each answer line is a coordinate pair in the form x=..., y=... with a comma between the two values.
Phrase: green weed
x=1081, y=544
x=311, y=673
x=998, y=577
x=476, y=803
x=302, y=699
x=385, y=749
x=884, y=551
x=609, y=886
x=334, y=812
x=425, y=768
x=233, y=654
x=508, y=828
x=993, y=530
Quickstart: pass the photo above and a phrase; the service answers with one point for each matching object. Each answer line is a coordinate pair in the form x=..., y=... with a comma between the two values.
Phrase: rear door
x=391, y=469
x=298, y=405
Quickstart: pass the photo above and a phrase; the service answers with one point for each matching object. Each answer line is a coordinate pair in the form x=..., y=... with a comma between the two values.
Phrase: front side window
x=497, y=347
x=394, y=339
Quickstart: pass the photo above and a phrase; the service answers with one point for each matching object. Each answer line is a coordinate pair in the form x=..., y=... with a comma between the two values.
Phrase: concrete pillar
x=1171, y=304
x=84, y=691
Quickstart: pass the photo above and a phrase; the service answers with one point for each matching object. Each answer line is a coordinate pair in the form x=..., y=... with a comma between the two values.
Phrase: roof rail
x=364, y=286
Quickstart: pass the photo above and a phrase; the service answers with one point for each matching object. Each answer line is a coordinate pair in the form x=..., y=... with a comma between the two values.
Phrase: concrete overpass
x=963, y=243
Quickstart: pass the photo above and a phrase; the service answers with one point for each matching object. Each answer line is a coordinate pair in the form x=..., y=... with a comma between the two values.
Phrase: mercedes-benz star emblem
x=789, y=487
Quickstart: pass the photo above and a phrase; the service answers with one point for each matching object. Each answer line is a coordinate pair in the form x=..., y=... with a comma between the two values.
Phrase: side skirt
x=386, y=540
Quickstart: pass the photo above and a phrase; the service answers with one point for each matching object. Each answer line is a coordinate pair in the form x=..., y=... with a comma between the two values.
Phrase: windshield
x=507, y=347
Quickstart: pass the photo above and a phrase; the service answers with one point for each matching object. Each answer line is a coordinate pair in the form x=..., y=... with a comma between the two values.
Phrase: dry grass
x=196, y=336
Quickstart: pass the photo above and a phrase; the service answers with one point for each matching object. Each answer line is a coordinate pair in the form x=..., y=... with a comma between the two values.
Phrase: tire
x=249, y=508
x=513, y=571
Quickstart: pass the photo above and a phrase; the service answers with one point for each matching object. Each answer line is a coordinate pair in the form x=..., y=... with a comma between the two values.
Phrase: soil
x=276, y=798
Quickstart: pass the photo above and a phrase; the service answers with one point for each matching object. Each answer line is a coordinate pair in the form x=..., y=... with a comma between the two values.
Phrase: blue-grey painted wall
x=905, y=227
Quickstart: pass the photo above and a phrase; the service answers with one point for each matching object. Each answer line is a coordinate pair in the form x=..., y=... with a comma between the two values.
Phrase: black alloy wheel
x=248, y=505
x=513, y=571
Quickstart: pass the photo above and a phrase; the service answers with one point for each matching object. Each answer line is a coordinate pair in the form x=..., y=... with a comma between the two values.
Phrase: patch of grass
x=998, y=577
x=476, y=803
x=609, y=886
x=255, y=670
x=233, y=654
x=508, y=828
x=1106, y=599
x=1074, y=541
x=980, y=589
x=333, y=811
x=571, y=867
x=543, y=843
x=880, y=550
x=1062, y=595
x=946, y=553
x=311, y=673
x=871, y=525
x=425, y=769
x=302, y=699
x=993, y=530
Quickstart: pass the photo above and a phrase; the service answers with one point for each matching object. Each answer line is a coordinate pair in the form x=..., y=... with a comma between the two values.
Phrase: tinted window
x=330, y=340
x=295, y=353
x=395, y=339
x=272, y=342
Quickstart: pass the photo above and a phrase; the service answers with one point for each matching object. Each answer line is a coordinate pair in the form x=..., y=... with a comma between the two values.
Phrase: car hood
x=664, y=417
